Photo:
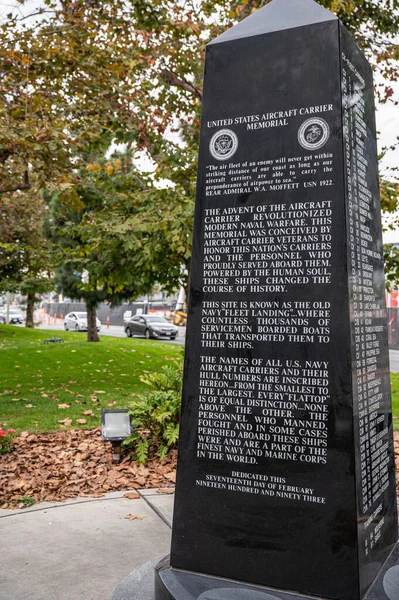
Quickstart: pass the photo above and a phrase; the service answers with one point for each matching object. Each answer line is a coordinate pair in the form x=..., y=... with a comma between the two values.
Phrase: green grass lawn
x=395, y=399
x=43, y=384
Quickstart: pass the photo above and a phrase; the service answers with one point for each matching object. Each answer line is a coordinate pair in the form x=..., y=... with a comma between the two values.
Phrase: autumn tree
x=65, y=85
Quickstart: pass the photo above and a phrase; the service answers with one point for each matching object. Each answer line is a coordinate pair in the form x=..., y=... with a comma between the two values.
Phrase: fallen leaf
x=131, y=495
x=99, y=391
x=166, y=491
x=88, y=413
x=74, y=462
x=66, y=422
x=134, y=517
x=20, y=483
x=30, y=406
x=81, y=421
x=43, y=395
x=64, y=405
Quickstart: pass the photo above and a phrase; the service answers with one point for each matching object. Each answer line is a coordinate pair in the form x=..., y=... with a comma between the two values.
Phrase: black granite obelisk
x=286, y=482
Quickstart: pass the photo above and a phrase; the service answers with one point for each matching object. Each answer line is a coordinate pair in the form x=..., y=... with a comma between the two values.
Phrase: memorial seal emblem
x=223, y=144
x=313, y=133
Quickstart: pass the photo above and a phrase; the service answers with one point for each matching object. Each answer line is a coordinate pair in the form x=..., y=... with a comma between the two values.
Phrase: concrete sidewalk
x=80, y=549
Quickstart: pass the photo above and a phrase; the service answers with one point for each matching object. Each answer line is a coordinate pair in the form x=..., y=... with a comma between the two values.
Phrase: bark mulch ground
x=57, y=466
x=68, y=464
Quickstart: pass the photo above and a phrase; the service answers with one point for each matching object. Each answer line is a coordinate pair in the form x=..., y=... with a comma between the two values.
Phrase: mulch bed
x=68, y=464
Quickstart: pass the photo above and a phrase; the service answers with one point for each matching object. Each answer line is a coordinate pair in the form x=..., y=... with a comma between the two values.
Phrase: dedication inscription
x=286, y=472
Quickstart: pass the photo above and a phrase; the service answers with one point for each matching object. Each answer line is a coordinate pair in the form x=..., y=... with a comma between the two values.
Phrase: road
x=118, y=331
x=394, y=360
x=115, y=331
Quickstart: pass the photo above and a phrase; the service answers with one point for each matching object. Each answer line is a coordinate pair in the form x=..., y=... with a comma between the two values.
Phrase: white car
x=15, y=316
x=77, y=321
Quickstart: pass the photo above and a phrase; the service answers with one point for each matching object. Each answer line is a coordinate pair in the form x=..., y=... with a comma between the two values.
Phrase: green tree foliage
x=65, y=92
x=143, y=222
x=94, y=263
x=25, y=263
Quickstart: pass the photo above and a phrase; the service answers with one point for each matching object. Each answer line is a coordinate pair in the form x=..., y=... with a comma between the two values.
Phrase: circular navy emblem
x=313, y=133
x=223, y=144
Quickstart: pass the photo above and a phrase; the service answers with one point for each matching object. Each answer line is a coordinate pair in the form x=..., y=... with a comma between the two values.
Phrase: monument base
x=174, y=584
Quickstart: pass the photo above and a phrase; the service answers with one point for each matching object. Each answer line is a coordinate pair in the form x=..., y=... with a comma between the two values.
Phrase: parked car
x=150, y=326
x=15, y=316
x=77, y=321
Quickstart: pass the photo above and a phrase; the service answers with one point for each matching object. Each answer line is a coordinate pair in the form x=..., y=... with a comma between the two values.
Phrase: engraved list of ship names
x=368, y=314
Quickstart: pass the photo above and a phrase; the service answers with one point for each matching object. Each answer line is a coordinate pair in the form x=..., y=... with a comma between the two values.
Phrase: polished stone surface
x=140, y=585
x=286, y=471
x=376, y=506
x=278, y=16
x=178, y=585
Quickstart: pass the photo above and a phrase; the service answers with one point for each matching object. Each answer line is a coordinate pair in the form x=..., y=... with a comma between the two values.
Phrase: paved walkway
x=80, y=549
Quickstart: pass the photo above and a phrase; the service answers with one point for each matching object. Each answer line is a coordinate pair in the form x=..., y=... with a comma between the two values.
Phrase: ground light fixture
x=116, y=426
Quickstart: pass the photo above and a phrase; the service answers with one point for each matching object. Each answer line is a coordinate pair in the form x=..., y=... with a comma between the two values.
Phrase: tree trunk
x=30, y=307
x=92, y=335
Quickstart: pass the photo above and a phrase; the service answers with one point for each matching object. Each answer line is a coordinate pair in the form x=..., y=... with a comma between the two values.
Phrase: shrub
x=6, y=440
x=157, y=413
x=23, y=501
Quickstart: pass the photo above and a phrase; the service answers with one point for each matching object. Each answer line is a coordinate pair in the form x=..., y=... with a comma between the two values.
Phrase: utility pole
x=8, y=300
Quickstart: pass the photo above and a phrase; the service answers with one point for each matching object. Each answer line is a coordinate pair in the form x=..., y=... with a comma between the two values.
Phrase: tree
x=131, y=69
x=170, y=64
x=65, y=83
x=24, y=258
x=65, y=93
x=158, y=230
x=92, y=71
x=94, y=265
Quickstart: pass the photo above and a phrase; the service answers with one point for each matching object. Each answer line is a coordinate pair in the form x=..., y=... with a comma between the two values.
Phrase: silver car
x=77, y=321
